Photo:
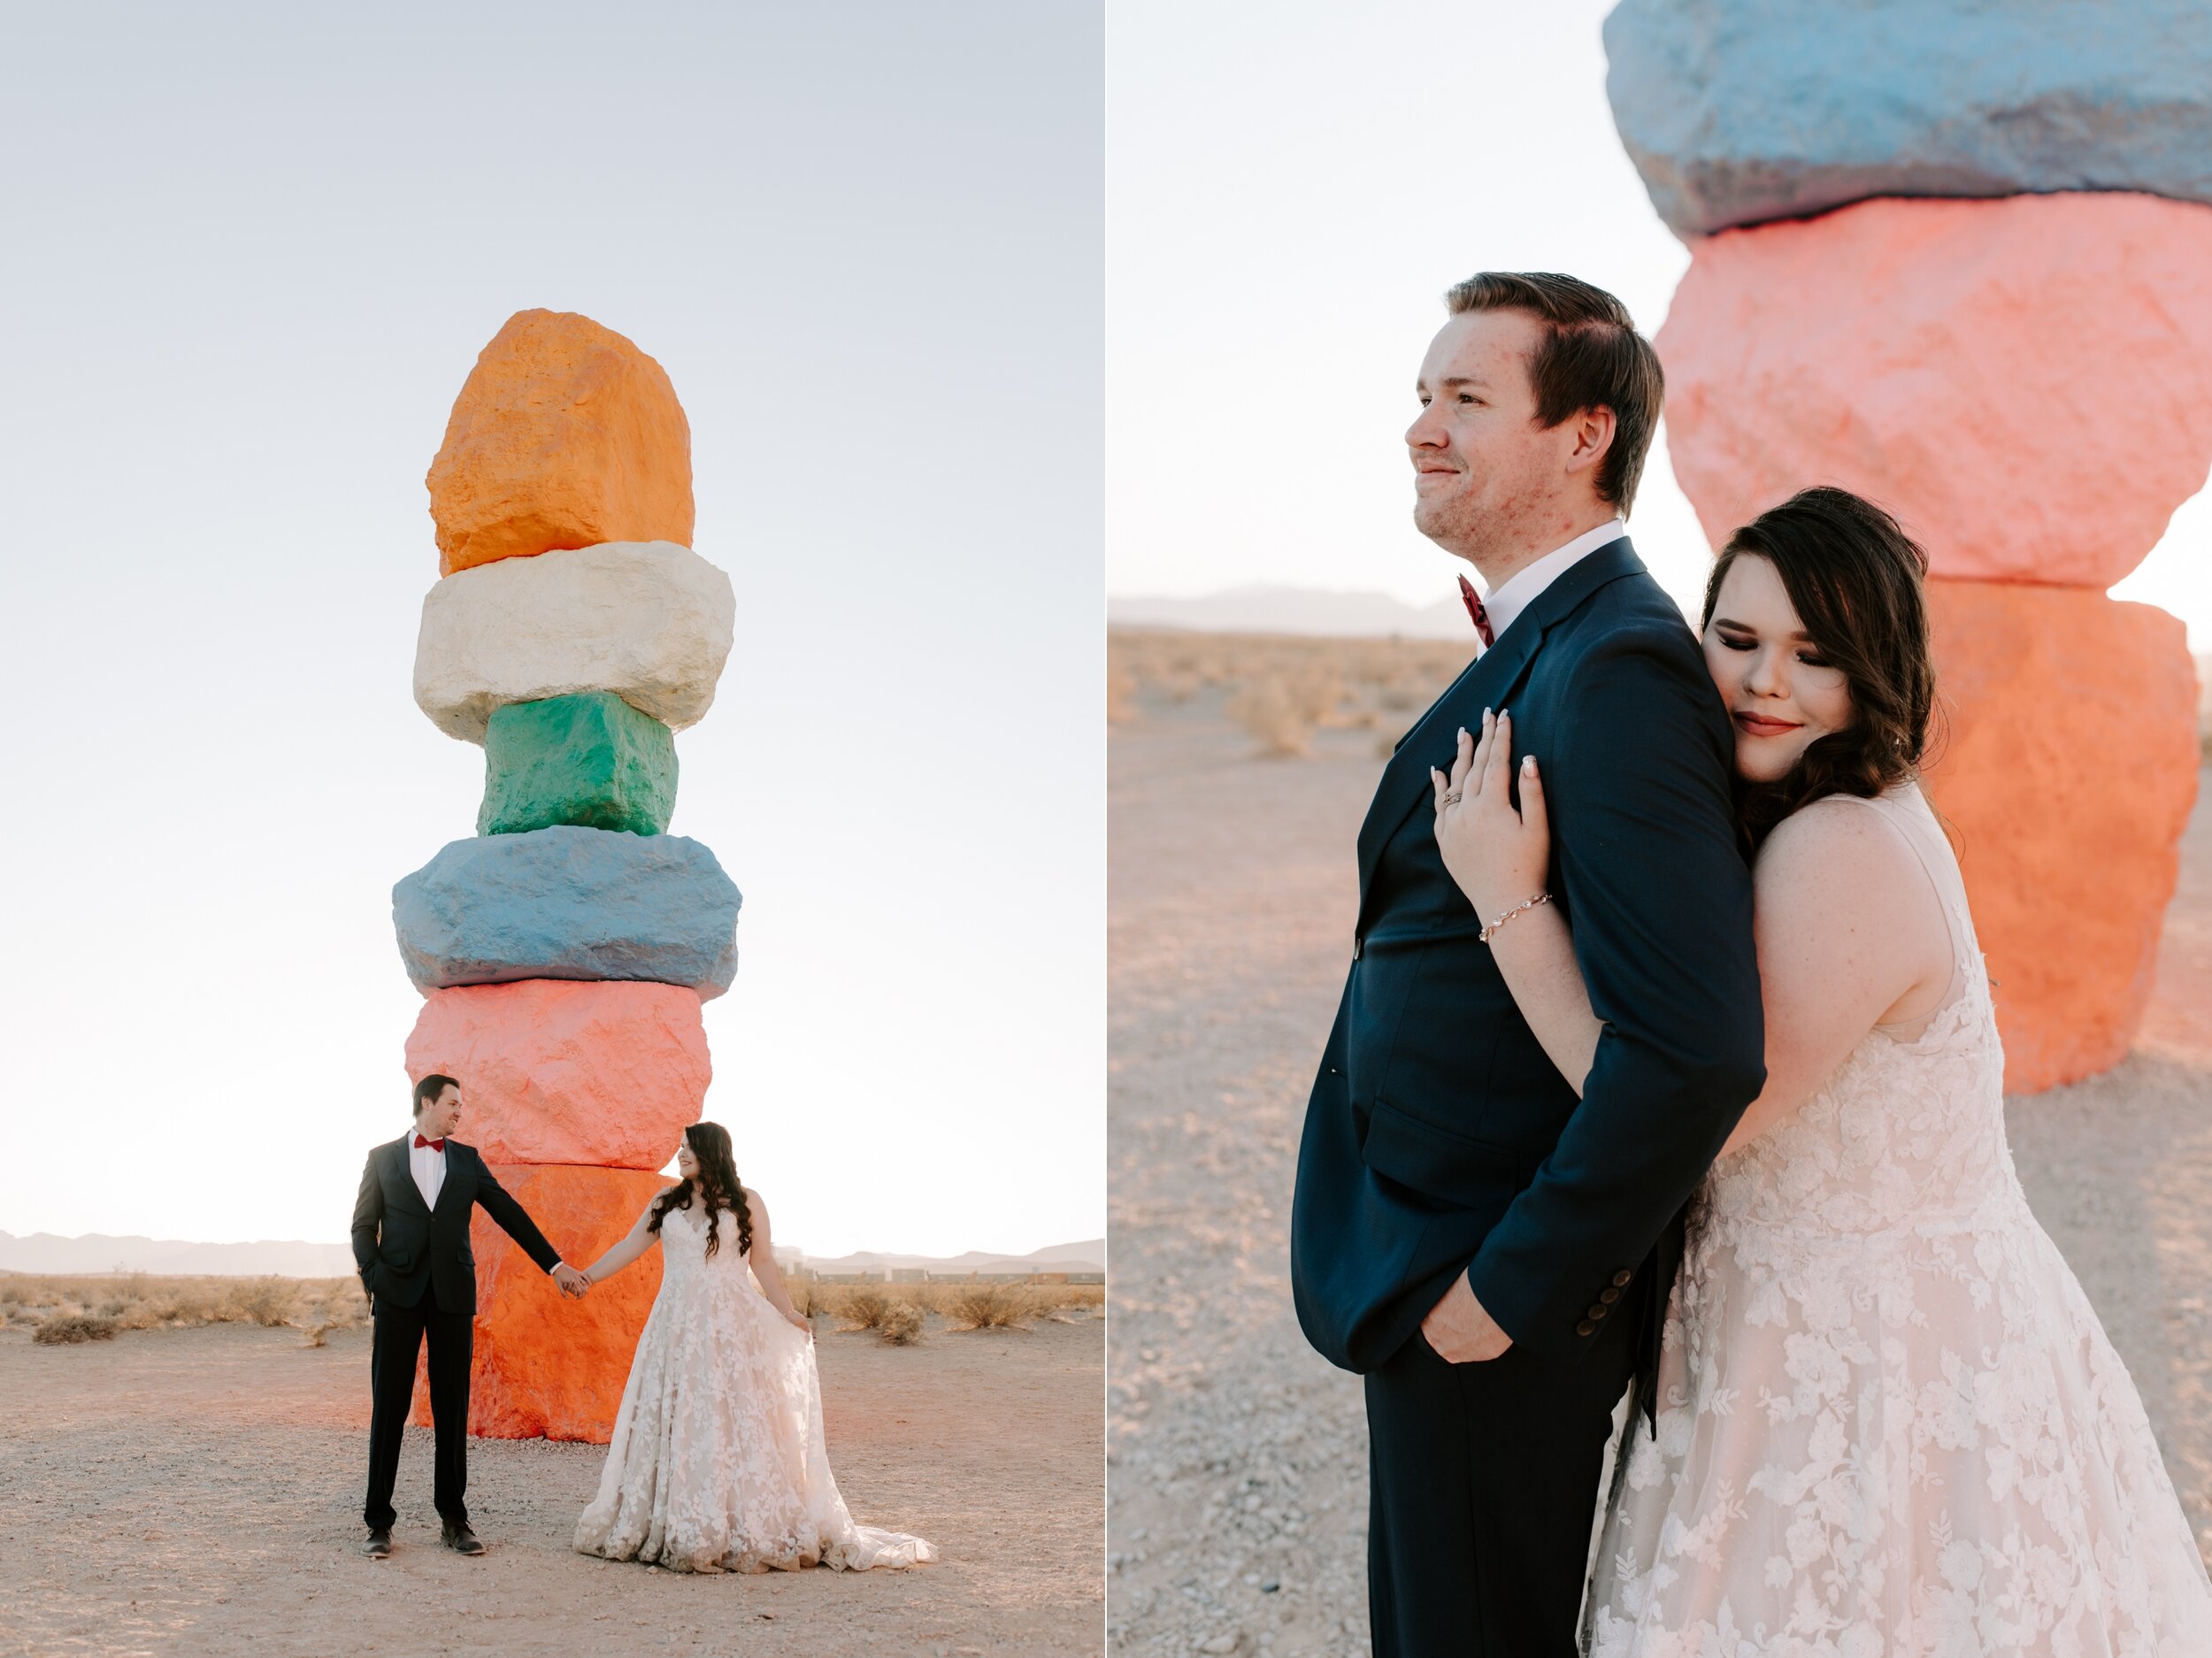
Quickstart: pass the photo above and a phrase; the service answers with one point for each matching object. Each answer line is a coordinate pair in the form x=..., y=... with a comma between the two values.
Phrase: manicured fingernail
x=1529, y=765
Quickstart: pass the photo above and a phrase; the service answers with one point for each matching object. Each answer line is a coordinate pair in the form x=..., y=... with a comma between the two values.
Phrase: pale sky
x=252, y=253
x=1291, y=188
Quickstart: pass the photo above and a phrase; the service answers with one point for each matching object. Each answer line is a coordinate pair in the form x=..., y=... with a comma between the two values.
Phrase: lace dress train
x=716, y=1462
x=1890, y=1425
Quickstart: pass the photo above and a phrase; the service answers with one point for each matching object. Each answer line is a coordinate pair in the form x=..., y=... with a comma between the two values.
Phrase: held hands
x=1460, y=1330
x=573, y=1284
x=1498, y=855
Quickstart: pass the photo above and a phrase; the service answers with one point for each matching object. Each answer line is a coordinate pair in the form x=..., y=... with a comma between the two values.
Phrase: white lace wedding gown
x=717, y=1461
x=1890, y=1425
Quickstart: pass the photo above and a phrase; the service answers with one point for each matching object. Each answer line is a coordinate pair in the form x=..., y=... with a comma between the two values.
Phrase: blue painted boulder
x=566, y=902
x=1739, y=111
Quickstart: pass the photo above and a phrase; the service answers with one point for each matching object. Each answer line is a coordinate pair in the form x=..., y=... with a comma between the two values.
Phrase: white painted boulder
x=648, y=620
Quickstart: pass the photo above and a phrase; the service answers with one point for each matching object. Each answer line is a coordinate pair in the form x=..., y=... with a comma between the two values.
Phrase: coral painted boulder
x=2022, y=382
x=2067, y=777
x=546, y=1366
x=565, y=435
x=590, y=760
x=1738, y=110
x=554, y=1071
x=569, y=904
x=650, y=621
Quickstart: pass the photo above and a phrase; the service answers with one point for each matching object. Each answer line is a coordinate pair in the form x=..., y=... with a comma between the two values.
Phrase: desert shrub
x=73, y=1327
x=1121, y=694
x=989, y=1305
x=266, y=1301
x=902, y=1324
x=862, y=1306
x=12, y=1295
x=1271, y=715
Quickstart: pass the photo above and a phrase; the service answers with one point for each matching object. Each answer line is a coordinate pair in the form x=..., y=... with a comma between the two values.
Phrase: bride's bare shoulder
x=1837, y=849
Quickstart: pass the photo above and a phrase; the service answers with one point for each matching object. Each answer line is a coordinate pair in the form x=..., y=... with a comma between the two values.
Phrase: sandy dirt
x=1236, y=1456
x=199, y=1492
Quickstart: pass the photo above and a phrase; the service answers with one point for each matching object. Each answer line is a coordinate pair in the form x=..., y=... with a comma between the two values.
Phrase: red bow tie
x=436, y=1145
x=1482, y=616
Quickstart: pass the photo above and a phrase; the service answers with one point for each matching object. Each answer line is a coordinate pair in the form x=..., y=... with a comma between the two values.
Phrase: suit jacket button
x=1598, y=1309
x=1609, y=1295
x=1585, y=1327
x=1621, y=1278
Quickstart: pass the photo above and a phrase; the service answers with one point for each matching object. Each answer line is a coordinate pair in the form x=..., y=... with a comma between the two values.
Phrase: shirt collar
x=1517, y=591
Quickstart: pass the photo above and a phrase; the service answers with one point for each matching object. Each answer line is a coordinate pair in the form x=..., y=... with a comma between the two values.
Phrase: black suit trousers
x=1483, y=1487
x=399, y=1334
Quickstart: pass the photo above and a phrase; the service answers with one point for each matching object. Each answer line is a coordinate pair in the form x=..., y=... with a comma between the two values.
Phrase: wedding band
x=1452, y=799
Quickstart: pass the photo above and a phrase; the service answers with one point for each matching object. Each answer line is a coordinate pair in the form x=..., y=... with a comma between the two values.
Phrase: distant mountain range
x=95, y=1251
x=1088, y=1257
x=1264, y=610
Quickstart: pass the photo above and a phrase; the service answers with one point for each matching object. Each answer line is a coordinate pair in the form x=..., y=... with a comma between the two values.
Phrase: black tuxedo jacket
x=401, y=1244
x=1440, y=1137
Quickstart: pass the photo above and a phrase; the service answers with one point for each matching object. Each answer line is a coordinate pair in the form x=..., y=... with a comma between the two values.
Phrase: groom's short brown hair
x=429, y=1088
x=1591, y=357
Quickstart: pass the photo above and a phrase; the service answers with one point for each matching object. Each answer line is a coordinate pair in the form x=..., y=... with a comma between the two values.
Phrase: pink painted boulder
x=2026, y=383
x=2066, y=776
x=567, y=1071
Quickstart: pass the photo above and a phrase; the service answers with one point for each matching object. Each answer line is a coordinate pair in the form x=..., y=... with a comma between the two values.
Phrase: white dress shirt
x=1519, y=590
x=427, y=1163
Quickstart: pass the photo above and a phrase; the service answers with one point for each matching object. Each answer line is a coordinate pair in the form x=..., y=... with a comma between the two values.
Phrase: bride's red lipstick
x=1761, y=726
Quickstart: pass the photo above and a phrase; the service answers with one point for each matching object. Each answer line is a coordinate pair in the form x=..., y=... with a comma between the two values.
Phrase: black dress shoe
x=461, y=1540
x=379, y=1543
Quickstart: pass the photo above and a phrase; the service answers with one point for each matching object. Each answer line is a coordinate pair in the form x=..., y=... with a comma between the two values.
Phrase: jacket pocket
x=399, y=1258
x=1450, y=1167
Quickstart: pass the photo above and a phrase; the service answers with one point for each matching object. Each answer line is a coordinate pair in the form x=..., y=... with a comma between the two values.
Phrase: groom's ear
x=1594, y=431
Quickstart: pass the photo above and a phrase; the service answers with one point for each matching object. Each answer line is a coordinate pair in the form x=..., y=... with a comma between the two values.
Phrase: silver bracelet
x=1531, y=903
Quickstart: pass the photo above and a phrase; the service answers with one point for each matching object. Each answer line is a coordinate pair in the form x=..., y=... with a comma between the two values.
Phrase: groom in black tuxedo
x=1491, y=1252
x=411, y=1240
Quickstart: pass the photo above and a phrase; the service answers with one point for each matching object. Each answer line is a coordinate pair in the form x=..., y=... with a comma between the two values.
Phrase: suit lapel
x=452, y=1169
x=402, y=1177
x=1487, y=682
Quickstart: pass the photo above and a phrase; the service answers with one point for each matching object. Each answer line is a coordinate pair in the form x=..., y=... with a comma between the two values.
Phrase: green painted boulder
x=590, y=760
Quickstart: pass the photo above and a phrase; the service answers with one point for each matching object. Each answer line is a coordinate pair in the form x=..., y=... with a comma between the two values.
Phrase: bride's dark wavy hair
x=716, y=1184
x=1858, y=584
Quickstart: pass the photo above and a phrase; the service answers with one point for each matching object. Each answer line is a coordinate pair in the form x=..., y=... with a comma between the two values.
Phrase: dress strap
x=1910, y=816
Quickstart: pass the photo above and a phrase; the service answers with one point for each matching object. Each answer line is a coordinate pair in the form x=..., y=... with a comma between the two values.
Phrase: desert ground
x=1239, y=772
x=197, y=1490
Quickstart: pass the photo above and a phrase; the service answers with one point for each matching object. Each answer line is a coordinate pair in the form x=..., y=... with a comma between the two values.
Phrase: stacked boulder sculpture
x=1957, y=256
x=565, y=950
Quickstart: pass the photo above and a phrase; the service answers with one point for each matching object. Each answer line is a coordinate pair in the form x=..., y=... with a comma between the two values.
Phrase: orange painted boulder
x=547, y=1367
x=604, y=1073
x=565, y=435
x=2066, y=776
x=2022, y=381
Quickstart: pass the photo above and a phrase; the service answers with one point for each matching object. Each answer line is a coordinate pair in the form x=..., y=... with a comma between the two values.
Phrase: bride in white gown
x=717, y=1461
x=1889, y=1423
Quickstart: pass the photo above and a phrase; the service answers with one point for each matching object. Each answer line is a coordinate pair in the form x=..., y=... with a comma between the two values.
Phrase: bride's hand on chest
x=1499, y=855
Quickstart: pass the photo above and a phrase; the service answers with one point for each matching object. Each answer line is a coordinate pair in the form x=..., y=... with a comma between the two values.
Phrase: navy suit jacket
x=1440, y=1137
x=400, y=1243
